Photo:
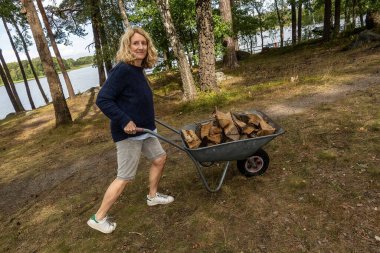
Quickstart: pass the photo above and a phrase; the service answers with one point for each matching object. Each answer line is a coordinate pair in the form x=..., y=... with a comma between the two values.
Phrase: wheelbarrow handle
x=144, y=130
x=141, y=130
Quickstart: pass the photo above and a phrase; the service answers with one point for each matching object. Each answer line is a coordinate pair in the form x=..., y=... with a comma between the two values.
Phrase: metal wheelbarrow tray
x=251, y=159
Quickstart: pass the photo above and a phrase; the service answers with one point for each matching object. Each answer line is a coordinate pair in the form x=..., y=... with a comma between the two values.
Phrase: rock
x=220, y=76
x=10, y=115
x=363, y=38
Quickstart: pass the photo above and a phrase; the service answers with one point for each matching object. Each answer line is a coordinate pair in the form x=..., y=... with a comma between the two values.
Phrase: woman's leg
x=128, y=156
x=155, y=174
x=111, y=195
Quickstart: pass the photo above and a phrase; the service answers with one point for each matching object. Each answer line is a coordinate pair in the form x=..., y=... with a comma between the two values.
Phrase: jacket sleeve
x=108, y=94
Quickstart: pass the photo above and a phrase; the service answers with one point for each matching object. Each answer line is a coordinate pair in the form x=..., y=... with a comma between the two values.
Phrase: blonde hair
x=124, y=53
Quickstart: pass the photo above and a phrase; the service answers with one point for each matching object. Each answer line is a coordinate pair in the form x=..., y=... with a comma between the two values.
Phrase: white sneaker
x=159, y=199
x=104, y=225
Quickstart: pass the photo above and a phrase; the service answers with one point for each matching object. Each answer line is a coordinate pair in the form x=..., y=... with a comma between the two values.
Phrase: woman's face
x=139, y=46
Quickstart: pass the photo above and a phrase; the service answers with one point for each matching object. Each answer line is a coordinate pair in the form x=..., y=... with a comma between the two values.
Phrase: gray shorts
x=129, y=152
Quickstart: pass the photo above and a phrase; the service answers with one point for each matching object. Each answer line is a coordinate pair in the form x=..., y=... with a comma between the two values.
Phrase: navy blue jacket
x=126, y=96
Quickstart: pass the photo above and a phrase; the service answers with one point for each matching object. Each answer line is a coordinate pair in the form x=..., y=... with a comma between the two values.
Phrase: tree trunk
x=294, y=21
x=21, y=66
x=189, y=57
x=260, y=25
x=327, y=21
x=123, y=14
x=229, y=60
x=235, y=38
x=12, y=86
x=337, y=18
x=30, y=61
x=98, y=46
x=360, y=6
x=105, y=45
x=299, y=21
x=167, y=62
x=56, y=50
x=62, y=113
x=207, y=76
x=184, y=68
x=353, y=13
x=347, y=16
x=193, y=48
x=8, y=89
x=280, y=22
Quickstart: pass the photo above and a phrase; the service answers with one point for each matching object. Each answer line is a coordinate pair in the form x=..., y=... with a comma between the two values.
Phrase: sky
x=74, y=51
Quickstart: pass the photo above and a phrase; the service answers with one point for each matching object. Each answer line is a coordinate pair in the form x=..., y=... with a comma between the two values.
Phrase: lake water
x=81, y=79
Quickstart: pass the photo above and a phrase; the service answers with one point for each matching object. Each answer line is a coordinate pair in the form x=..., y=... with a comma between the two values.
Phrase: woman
x=127, y=100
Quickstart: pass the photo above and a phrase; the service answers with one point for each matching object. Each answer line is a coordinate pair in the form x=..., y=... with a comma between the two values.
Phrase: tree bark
x=294, y=21
x=184, y=68
x=230, y=59
x=62, y=113
x=347, y=16
x=337, y=18
x=353, y=13
x=299, y=21
x=56, y=50
x=259, y=14
x=327, y=21
x=8, y=89
x=30, y=62
x=98, y=46
x=21, y=66
x=280, y=23
x=123, y=14
x=12, y=86
x=104, y=42
x=207, y=75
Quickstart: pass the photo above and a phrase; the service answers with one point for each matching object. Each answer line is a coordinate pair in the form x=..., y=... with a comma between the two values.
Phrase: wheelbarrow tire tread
x=262, y=156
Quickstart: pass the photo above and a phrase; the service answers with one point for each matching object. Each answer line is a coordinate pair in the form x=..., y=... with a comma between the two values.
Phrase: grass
x=320, y=193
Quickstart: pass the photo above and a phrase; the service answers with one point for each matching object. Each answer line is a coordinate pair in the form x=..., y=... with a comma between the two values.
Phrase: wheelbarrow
x=251, y=159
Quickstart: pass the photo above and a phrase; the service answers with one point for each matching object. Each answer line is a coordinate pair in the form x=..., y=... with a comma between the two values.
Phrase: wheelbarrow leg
x=205, y=183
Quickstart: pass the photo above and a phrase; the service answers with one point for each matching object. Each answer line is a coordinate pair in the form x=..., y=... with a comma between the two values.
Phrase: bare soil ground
x=320, y=194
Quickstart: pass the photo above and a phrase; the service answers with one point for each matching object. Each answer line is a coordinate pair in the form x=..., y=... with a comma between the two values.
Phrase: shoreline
x=32, y=78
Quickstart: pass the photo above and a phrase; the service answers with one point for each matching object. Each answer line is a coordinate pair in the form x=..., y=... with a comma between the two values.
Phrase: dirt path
x=325, y=94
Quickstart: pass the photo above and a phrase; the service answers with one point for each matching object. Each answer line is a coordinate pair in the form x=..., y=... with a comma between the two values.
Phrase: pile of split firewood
x=227, y=127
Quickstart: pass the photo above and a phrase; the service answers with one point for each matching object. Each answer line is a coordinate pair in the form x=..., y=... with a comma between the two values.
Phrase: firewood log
x=214, y=139
x=215, y=130
x=254, y=119
x=205, y=129
x=191, y=139
x=266, y=129
x=225, y=121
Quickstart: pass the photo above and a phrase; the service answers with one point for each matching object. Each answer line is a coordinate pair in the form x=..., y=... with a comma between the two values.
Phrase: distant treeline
x=16, y=75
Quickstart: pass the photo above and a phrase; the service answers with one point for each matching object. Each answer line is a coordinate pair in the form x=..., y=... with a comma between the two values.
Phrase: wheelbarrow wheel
x=254, y=165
